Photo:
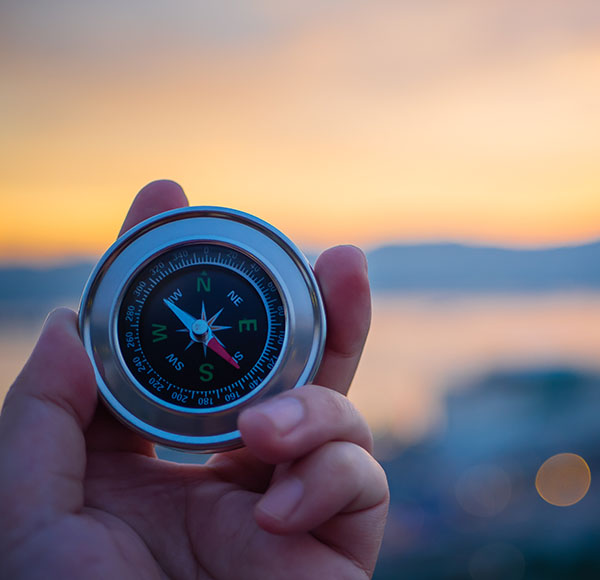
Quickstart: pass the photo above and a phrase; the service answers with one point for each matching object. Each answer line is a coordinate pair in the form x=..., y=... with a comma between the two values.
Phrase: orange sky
x=363, y=122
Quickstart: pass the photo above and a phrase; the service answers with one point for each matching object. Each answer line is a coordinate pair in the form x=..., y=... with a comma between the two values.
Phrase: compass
x=196, y=314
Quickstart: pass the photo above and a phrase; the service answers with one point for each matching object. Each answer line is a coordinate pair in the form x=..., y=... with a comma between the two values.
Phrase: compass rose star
x=202, y=330
x=211, y=322
x=212, y=327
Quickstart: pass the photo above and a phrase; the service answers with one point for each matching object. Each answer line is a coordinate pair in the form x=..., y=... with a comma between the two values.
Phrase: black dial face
x=201, y=326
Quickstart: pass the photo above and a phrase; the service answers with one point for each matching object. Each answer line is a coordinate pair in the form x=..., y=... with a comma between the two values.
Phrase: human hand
x=83, y=497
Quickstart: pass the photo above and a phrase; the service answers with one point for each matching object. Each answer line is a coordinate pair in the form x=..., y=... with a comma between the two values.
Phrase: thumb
x=42, y=445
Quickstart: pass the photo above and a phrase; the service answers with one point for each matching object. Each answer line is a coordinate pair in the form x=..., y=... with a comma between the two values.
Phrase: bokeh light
x=484, y=490
x=563, y=479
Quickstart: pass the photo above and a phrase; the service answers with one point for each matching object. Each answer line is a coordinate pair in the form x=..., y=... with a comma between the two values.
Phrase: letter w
x=159, y=333
x=176, y=295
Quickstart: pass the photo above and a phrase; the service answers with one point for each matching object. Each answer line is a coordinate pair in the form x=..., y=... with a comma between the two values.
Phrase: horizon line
x=54, y=261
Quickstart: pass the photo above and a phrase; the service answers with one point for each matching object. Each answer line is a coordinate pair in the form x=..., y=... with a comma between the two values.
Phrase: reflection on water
x=19, y=330
x=15, y=347
x=420, y=347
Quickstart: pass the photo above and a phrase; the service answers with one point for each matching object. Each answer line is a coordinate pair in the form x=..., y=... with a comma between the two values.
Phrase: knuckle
x=334, y=406
x=345, y=459
x=334, y=414
x=380, y=481
x=330, y=406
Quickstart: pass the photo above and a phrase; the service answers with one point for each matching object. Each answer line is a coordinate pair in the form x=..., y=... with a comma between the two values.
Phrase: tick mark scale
x=196, y=314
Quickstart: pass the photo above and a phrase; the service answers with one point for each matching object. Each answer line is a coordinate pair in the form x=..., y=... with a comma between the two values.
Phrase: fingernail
x=282, y=499
x=285, y=413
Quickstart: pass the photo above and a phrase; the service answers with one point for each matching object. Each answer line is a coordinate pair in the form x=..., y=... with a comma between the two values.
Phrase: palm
x=206, y=510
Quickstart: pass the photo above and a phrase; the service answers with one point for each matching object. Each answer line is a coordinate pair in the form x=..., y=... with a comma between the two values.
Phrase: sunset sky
x=360, y=121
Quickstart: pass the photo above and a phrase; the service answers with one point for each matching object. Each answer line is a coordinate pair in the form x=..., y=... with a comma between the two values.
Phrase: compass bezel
x=302, y=349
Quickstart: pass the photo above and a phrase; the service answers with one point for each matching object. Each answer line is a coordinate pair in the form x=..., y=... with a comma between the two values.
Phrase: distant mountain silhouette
x=455, y=267
x=25, y=283
x=30, y=292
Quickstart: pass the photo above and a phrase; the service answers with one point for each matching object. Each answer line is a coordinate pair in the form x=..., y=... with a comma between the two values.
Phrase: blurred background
x=457, y=142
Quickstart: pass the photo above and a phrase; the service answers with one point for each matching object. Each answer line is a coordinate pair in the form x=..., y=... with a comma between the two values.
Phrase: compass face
x=194, y=315
x=201, y=326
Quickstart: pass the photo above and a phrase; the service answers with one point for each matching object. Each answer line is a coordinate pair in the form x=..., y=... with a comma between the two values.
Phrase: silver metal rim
x=305, y=321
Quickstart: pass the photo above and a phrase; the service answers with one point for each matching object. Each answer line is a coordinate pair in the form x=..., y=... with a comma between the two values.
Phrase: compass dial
x=196, y=314
x=201, y=326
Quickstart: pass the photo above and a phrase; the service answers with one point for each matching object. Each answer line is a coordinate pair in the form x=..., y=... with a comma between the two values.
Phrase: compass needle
x=187, y=319
x=217, y=347
x=181, y=278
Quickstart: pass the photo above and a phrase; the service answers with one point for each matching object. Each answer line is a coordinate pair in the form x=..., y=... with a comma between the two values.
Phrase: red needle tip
x=214, y=345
